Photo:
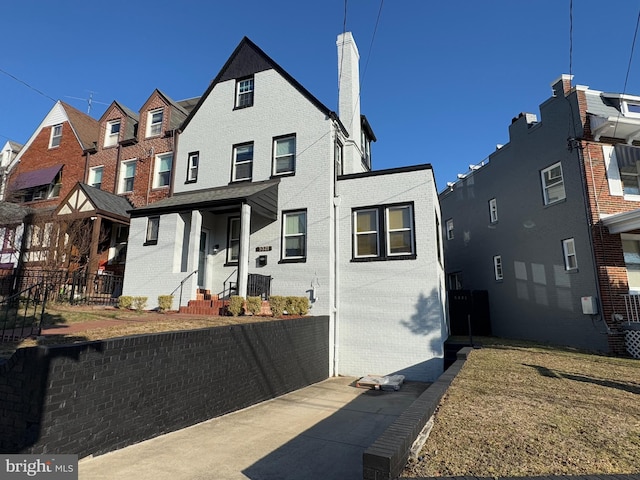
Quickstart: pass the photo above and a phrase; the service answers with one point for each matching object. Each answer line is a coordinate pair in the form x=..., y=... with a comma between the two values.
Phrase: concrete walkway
x=318, y=432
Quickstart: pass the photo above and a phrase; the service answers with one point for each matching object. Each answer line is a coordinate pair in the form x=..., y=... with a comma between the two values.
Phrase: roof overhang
x=622, y=222
x=84, y=201
x=261, y=196
x=615, y=127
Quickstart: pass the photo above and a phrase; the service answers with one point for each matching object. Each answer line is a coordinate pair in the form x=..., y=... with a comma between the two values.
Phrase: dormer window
x=244, y=93
x=154, y=122
x=56, y=136
x=631, y=108
x=112, y=133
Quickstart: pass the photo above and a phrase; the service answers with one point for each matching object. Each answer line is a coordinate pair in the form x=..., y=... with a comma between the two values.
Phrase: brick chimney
x=349, y=100
x=562, y=86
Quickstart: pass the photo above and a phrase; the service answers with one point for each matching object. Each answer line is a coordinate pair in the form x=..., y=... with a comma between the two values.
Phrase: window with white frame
x=284, y=155
x=552, y=184
x=192, y=167
x=56, y=136
x=162, y=173
x=154, y=122
x=449, y=228
x=383, y=232
x=294, y=236
x=631, y=251
x=244, y=93
x=153, y=225
x=242, y=162
x=233, y=240
x=112, y=133
x=95, y=176
x=127, y=176
x=493, y=210
x=338, y=154
x=569, y=252
x=497, y=267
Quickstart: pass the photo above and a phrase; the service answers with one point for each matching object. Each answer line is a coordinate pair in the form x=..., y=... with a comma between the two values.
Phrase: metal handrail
x=182, y=284
x=224, y=284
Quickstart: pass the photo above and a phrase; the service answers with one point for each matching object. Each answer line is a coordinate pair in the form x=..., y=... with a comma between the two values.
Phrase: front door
x=202, y=258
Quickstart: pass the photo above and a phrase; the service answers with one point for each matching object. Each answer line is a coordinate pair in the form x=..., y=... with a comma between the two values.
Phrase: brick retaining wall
x=94, y=397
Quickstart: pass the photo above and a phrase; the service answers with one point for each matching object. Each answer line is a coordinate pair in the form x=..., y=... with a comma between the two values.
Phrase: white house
x=268, y=182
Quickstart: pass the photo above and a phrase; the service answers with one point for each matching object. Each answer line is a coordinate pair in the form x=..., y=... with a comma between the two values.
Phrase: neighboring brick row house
x=549, y=225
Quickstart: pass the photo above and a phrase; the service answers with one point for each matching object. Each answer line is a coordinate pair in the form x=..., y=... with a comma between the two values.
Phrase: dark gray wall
x=538, y=299
x=94, y=397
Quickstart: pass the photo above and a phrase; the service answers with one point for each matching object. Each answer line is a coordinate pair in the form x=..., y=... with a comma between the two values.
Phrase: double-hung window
x=95, y=177
x=112, y=133
x=242, y=162
x=284, y=155
x=244, y=93
x=153, y=225
x=552, y=184
x=449, y=228
x=294, y=236
x=497, y=267
x=162, y=176
x=56, y=136
x=384, y=232
x=233, y=240
x=569, y=252
x=493, y=210
x=631, y=251
x=127, y=176
x=192, y=167
x=154, y=122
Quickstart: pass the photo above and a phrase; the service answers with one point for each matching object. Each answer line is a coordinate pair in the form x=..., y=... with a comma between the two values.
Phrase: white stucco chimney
x=349, y=100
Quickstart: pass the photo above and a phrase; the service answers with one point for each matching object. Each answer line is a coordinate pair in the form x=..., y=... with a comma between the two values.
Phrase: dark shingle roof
x=12, y=213
x=106, y=202
x=86, y=128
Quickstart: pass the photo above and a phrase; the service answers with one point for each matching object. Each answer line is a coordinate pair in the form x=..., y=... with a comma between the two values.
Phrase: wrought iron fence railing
x=21, y=313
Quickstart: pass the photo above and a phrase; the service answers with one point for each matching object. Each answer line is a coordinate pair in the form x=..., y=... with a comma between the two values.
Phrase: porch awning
x=261, y=196
x=36, y=178
x=622, y=222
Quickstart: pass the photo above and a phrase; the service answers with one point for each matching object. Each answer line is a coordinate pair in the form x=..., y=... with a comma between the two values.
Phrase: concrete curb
x=387, y=456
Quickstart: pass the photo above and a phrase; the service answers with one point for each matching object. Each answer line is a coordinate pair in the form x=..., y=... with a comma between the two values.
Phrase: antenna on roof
x=89, y=101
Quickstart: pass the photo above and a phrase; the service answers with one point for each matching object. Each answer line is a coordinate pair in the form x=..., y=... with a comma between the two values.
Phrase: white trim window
x=162, y=174
x=552, y=184
x=284, y=155
x=192, y=167
x=95, y=176
x=153, y=226
x=449, y=228
x=497, y=267
x=112, y=133
x=493, y=210
x=384, y=232
x=242, y=162
x=56, y=136
x=233, y=240
x=244, y=93
x=631, y=251
x=366, y=243
x=154, y=122
x=294, y=235
x=127, y=176
x=569, y=253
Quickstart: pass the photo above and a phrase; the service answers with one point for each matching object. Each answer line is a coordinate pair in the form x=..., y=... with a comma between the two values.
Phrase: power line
x=633, y=46
x=344, y=31
x=27, y=85
x=375, y=29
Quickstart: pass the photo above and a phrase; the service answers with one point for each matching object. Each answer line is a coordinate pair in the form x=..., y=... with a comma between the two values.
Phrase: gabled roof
x=85, y=127
x=85, y=200
x=14, y=146
x=248, y=59
x=178, y=115
x=262, y=196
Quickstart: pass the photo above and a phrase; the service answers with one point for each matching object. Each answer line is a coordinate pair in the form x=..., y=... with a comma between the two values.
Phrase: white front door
x=202, y=258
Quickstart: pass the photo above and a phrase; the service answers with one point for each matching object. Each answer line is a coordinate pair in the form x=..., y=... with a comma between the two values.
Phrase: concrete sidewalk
x=318, y=432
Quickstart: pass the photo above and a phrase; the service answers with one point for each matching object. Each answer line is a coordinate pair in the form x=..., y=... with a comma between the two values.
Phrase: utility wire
x=626, y=78
x=344, y=30
x=27, y=85
x=375, y=29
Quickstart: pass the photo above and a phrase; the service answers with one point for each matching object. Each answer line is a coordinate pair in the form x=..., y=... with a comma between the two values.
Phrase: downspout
x=336, y=255
x=174, y=149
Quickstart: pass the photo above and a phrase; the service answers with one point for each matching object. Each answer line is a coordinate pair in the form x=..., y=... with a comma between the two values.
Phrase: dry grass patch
x=528, y=411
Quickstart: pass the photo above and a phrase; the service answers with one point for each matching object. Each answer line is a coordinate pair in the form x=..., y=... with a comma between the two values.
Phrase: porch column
x=243, y=256
x=95, y=240
x=191, y=285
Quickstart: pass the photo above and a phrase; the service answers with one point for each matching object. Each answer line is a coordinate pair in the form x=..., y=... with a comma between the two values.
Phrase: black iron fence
x=21, y=313
x=67, y=287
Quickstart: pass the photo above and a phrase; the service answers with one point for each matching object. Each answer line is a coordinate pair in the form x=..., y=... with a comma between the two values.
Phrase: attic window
x=154, y=123
x=56, y=136
x=631, y=109
x=244, y=93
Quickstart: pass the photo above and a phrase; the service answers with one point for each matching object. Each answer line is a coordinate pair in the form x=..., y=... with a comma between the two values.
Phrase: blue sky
x=441, y=79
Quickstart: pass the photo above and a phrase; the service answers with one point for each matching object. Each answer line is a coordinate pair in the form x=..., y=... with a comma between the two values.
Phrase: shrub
x=303, y=305
x=278, y=305
x=125, y=301
x=165, y=302
x=139, y=303
x=236, y=305
x=254, y=305
x=297, y=305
